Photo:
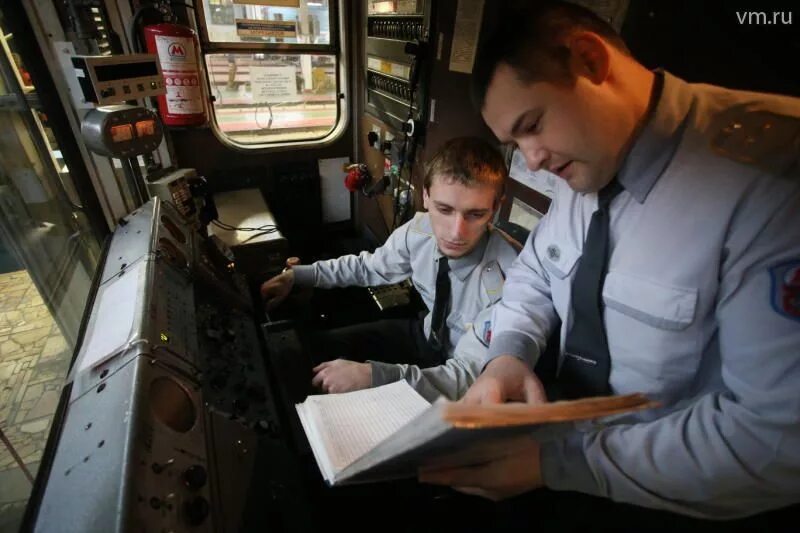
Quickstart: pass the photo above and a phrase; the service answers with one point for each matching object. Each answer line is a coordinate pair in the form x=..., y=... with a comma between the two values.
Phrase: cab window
x=273, y=70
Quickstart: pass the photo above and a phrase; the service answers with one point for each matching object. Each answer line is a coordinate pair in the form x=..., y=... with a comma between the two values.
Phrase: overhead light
x=314, y=4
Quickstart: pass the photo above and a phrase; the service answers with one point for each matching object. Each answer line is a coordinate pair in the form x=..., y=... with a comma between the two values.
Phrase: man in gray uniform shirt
x=700, y=305
x=451, y=244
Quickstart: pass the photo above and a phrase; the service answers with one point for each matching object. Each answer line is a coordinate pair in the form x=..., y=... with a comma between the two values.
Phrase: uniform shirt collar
x=656, y=144
x=464, y=265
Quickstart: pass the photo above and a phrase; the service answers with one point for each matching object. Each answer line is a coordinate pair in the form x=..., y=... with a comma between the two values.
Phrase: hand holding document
x=389, y=432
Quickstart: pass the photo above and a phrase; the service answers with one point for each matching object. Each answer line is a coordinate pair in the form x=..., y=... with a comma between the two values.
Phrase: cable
x=396, y=219
x=271, y=116
x=134, y=33
x=266, y=228
x=251, y=237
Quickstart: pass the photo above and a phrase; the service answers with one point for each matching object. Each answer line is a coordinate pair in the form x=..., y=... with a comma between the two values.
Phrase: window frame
x=337, y=47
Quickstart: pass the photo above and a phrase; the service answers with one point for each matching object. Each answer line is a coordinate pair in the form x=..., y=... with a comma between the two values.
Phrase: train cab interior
x=160, y=160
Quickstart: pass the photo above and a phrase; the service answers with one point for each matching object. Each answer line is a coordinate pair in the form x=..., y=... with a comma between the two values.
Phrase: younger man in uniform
x=455, y=260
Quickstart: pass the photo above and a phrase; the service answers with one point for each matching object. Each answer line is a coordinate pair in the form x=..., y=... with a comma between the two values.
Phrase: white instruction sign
x=465, y=35
x=271, y=83
x=181, y=77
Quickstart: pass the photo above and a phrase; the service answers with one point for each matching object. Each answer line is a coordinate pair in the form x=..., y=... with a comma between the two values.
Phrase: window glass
x=268, y=21
x=259, y=97
x=48, y=256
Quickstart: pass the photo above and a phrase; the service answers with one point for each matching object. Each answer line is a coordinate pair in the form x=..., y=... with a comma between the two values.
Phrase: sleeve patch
x=487, y=332
x=785, y=292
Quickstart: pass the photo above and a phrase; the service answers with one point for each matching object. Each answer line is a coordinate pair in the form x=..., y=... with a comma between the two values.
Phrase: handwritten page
x=343, y=427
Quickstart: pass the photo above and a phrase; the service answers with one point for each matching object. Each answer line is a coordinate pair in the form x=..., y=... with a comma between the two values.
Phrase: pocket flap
x=659, y=305
x=560, y=258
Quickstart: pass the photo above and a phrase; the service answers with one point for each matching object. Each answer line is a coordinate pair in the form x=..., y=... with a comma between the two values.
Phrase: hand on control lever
x=275, y=290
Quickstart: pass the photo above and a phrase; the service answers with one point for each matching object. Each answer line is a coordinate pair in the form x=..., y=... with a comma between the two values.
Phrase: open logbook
x=388, y=432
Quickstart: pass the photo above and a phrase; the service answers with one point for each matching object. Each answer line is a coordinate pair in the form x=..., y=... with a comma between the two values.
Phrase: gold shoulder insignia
x=493, y=279
x=763, y=139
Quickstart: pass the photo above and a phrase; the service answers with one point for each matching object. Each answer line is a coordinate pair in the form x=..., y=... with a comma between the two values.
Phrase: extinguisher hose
x=136, y=43
x=134, y=30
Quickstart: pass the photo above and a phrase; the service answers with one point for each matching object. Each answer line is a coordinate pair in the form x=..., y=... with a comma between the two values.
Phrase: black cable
x=267, y=228
x=251, y=237
x=271, y=116
x=134, y=33
x=405, y=161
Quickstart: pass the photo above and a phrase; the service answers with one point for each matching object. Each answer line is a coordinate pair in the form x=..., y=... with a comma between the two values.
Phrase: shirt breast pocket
x=650, y=333
x=559, y=261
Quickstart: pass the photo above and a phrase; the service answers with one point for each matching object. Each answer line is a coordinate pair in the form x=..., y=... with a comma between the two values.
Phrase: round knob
x=195, y=511
x=195, y=477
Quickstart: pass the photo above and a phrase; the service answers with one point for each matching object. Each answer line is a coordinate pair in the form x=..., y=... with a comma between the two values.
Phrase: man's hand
x=275, y=290
x=342, y=376
x=506, y=379
x=514, y=470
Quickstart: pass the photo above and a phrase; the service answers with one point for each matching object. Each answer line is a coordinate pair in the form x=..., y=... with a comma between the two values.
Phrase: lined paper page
x=351, y=424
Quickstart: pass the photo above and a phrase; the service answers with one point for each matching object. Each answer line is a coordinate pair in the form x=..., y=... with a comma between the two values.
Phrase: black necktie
x=441, y=307
x=587, y=363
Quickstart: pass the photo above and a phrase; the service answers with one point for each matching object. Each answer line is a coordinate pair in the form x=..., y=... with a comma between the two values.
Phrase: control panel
x=396, y=53
x=234, y=381
x=169, y=397
x=116, y=78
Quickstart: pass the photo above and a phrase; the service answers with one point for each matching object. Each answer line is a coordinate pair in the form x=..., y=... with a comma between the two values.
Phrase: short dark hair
x=469, y=161
x=528, y=36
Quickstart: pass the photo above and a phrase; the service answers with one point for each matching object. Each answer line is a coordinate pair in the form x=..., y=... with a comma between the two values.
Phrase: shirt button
x=553, y=252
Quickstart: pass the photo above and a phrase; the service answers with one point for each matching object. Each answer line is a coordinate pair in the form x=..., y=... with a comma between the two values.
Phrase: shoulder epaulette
x=492, y=279
x=761, y=138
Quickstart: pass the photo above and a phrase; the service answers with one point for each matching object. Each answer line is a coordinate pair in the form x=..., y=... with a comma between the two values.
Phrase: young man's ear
x=425, y=198
x=497, y=203
x=589, y=56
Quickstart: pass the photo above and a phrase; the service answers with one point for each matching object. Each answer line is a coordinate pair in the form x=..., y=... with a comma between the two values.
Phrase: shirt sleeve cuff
x=383, y=373
x=564, y=466
x=516, y=344
x=303, y=275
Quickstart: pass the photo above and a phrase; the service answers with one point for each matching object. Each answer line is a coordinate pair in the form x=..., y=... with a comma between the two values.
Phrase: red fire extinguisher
x=176, y=47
